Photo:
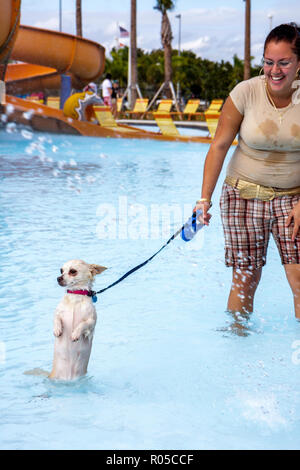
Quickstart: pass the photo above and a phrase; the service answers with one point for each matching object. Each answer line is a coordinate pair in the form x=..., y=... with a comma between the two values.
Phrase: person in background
x=261, y=192
x=107, y=90
x=114, y=97
x=92, y=87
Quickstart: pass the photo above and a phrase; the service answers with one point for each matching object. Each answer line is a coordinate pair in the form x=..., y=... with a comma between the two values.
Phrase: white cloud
x=197, y=45
x=111, y=29
x=51, y=23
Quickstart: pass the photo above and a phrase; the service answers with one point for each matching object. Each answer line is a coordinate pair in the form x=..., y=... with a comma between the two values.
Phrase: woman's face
x=280, y=67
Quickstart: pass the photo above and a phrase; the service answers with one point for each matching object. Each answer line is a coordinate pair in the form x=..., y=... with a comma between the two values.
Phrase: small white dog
x=74, y=320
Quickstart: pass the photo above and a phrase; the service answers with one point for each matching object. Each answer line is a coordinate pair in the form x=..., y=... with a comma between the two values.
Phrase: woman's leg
x=246, y=224
x=288, y=248
x=293, y=276
x=243, y=287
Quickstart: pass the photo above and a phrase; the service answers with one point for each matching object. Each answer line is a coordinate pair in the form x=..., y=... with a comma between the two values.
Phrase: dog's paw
x=87, y=333
x=57, y=331
x=75, y=335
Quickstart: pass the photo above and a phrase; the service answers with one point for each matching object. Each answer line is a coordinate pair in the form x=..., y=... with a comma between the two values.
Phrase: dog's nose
x=59, y=279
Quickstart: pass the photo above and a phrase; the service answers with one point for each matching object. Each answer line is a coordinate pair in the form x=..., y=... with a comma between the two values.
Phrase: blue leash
x=188, y=230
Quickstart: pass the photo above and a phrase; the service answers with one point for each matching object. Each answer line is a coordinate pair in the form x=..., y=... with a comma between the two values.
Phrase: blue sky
x=213, y=30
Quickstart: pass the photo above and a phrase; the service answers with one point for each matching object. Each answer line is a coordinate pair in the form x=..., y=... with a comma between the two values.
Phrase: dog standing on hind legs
x=74, y=320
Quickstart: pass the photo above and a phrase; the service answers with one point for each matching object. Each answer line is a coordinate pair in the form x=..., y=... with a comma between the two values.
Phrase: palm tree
x=166, y=38
x=247, y=57
x=78, y=18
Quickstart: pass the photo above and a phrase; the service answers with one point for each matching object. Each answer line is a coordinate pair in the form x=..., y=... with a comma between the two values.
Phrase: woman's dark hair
x=289, y=32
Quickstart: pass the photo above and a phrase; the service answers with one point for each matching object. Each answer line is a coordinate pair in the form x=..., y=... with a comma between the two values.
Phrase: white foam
x=263, y=409
x=26, y=134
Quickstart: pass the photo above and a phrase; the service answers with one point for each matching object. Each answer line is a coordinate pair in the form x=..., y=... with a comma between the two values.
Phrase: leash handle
x=192, y=226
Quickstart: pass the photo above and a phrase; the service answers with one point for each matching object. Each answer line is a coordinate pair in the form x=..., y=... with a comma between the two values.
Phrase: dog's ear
x=96, y=269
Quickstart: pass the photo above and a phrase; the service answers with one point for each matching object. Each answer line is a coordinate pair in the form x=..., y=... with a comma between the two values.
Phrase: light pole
x=247, y=54
x=60, y=16
x=270, y=16
x=65, y=80
x=179, y=33
x=179, y=46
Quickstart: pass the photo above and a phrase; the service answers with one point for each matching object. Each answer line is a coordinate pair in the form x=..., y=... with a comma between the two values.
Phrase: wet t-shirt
x=268, y=151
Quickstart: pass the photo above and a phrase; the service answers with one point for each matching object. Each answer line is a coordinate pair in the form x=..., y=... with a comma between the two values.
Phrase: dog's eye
x=73, y=272
x=61, y=271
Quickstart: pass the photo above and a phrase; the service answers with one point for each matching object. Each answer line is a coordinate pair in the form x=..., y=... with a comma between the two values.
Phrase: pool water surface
x=169, y=368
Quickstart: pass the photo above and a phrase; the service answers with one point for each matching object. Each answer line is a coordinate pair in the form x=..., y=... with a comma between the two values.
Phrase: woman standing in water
x=261, y=192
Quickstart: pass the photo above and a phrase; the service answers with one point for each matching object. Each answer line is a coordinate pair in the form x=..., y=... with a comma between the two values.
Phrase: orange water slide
x=9, y=24
x=48, y=54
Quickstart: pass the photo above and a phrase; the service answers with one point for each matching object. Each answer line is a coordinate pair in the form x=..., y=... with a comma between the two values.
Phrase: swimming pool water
x=169, y=368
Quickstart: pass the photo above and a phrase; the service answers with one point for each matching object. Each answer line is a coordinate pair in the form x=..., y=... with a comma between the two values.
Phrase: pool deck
x=186, y=124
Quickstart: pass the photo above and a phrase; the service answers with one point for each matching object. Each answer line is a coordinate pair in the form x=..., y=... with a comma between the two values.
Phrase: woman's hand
x=294, y=215
x=203, y=206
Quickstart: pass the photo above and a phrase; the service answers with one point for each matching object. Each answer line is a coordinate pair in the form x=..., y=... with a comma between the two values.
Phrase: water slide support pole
x=65, y=89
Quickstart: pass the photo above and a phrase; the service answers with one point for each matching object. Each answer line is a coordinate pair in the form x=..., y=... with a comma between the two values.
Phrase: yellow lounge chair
x=105, y=119
x=212, y=115
x=190, y=109
x=140, y=106
x=212, y=119
x=215, y=105
x=53, y=102
x=165, y=123
x=164, y=106
x=104, y=116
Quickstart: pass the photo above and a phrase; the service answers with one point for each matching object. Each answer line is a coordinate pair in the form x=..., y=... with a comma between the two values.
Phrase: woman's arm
x=228, y=126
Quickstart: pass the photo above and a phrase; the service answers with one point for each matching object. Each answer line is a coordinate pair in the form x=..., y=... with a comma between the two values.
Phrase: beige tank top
x=268, y=152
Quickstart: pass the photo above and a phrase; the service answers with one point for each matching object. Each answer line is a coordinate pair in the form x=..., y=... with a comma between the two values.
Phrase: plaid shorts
x=247, y=225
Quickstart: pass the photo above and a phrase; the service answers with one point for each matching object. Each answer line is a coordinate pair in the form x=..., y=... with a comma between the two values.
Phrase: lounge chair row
x=163, y=120
x=165, y=106
x=162, y=115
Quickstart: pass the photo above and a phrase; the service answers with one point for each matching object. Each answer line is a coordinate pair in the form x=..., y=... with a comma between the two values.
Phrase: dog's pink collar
x=89, y=293
x=80, y=292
